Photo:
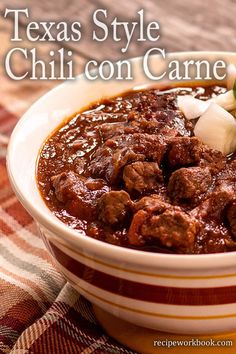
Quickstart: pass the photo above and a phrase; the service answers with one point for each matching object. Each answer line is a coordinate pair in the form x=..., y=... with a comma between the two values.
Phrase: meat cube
x=190, y=151
x=100, y=161
x=151, y=204
x=188, y=183
x=172, y=229
x=109, y=160
x=231, y=218
x=214, y=238
x=78, y=194
x=184, y=151
x=213, y=208
x=228, y=175
x=114, y=206
x=119, y=159
x=64, y=186
x=108, y=163
x=143, y=208
x=213, y=159
x=142, y=176
x=140, y=143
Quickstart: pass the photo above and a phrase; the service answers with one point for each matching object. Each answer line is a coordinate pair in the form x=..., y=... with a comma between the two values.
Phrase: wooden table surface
x=185, y=25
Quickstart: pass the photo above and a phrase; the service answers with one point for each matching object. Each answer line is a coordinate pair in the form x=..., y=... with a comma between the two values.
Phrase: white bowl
x=173, y=293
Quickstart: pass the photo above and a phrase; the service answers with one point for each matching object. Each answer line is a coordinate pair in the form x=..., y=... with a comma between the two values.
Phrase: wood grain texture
x=185, y=25
x=17, y=96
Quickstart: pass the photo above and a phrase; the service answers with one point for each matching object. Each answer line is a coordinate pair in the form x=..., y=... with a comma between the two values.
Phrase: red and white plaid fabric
x=39, y=311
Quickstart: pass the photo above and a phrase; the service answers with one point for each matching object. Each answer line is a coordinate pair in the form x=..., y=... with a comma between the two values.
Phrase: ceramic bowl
x=173, y=293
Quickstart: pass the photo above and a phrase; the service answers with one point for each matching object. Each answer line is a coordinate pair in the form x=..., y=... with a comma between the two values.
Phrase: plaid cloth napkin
x=39, y=311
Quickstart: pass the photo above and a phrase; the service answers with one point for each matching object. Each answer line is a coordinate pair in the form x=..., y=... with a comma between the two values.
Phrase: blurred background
x=185, y=25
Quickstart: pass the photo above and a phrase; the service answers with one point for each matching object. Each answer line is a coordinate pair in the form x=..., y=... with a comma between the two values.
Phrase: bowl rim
x=102, y=249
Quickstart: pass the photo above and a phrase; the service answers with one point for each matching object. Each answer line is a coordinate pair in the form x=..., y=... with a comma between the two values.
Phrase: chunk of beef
x=214, y=207
x=109, y=160
x=119, y=159
x=114, y=206
x=142, y=176
x=214, y=238
x=136, y=123
x=160, y=122
x=231, y=218
x=213, y=159
x=184, y=151
x=228, y=175
x=143, y=208
x=150, y=145
x=151, y=204
x=63, y=185
x=78, y=194
x=100, y=162
x=188, y=183
x=172, y=229
x=190, y=151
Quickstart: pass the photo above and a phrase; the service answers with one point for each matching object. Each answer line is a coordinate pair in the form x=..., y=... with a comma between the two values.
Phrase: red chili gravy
x=129, y=171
